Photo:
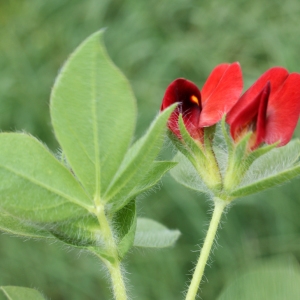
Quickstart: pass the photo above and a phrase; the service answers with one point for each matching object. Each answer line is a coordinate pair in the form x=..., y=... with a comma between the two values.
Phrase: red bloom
x=270, y=108
x=201, y=109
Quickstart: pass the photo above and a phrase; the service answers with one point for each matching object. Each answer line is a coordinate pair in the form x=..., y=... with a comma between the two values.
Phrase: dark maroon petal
x=217, y=101
x=188, y=97
x=276, y=76
x=283, y=111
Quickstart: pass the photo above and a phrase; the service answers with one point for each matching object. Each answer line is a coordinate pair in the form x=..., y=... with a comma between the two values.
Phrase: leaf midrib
x=95, y=126
x=49, y=188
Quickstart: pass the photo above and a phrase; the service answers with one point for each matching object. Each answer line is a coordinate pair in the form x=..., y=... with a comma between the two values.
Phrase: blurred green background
x=153, y=42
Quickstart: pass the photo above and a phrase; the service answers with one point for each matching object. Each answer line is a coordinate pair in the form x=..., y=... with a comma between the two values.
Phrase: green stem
x=204, y=254
x=114, y=267
x=117, y=280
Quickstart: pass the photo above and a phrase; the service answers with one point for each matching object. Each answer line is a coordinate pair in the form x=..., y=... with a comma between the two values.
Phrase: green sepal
x=259, y=152
x=241, y=148
x=185, y=174
x=208, y=135
x=139, y=159
x=19, y=293
x=12, y=225
x=226, y=135
x=201, y=156
x=125, y=226
x=192, y=146
x=34, y=185
x=180, y=146
x=151, y=234
x=237, y=166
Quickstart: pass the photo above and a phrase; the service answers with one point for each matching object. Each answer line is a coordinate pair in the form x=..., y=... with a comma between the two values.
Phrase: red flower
x=270, y=108
x=201, y=109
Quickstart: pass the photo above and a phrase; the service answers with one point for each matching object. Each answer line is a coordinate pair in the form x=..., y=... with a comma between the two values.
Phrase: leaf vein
x=47, y=187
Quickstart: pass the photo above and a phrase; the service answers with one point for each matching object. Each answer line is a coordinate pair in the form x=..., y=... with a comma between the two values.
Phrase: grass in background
x=153, y=42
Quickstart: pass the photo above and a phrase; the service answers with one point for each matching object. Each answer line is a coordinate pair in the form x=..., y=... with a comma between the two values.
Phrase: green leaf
x=84, y=231
x=139, y=159
x=12, y=225
x=266, y=183
x=93, y=113
x=34, y=185
x=185, y=174
x=265, y=281
x=19, y=293
x=158, y=169
x=273, y=168
x=125, y=225
x=152, y=234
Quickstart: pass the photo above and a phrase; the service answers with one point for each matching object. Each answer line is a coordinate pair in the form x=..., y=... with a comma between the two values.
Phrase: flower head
x=270, y=108
x=203, y=108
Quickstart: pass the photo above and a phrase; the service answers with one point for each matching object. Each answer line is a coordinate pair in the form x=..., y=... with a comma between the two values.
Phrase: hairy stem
x=114, y=267
x=204, y=253
x=117, y=280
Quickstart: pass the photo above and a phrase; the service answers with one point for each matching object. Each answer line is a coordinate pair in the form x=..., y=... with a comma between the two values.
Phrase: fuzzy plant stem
x=117, y=281
x=114, y=267
x=204, y=254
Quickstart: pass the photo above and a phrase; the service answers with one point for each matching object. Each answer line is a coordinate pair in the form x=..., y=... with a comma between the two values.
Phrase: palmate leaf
x=19, y=293
x=138, y=160
x=93, y=114
x=34, y=185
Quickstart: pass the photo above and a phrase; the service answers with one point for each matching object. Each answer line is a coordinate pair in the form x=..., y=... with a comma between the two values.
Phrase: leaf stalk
x=114, y=267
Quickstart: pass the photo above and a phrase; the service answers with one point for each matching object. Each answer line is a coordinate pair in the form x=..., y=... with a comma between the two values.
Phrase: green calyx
x=223, y=168
x=201, y=155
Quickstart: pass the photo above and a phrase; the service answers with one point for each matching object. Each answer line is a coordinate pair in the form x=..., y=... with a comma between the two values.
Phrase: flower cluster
x=269, y=108
x=266, y=114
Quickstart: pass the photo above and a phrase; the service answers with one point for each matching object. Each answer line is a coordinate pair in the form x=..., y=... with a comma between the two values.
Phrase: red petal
x=213, y=80
x=283, y=111
x=252, y=117
x=275, y=75
x=261, y=121
x=187, y=94
x=228, y=88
